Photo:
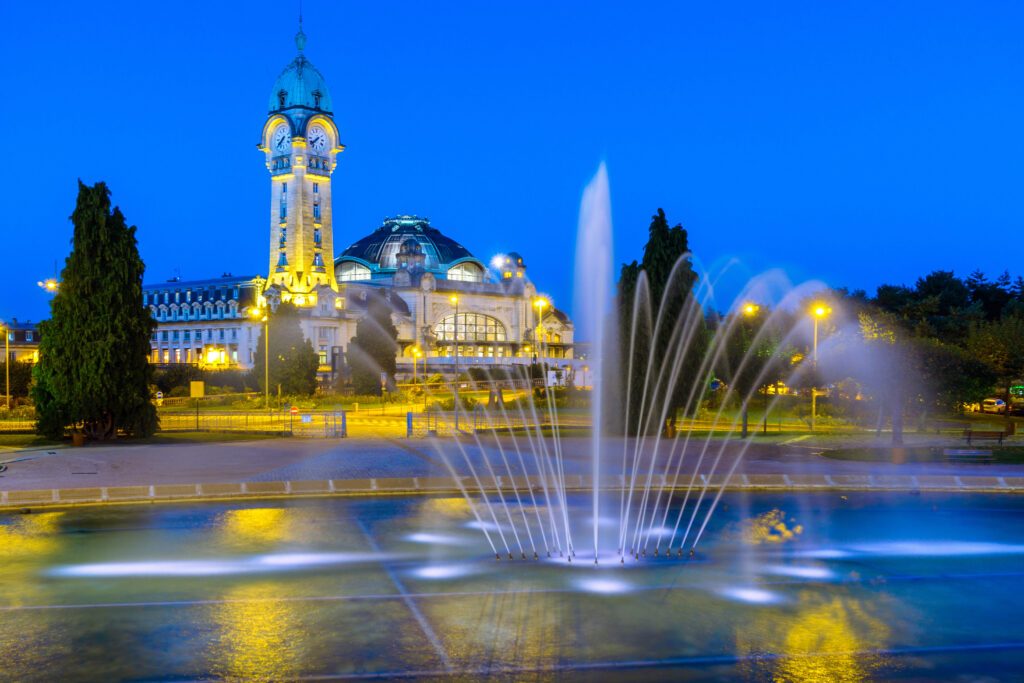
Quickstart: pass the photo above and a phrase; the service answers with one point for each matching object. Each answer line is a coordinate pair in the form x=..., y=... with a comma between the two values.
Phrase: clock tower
x=301, y=145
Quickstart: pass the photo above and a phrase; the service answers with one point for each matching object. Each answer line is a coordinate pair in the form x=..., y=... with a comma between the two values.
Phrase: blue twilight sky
x=857, y=143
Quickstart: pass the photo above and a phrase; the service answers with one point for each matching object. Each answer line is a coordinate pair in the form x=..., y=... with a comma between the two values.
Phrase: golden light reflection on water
x=257, y=525
x=259, y=637
x=454, y=507
x=768, y=527
x=29, y=536
x=828, y=638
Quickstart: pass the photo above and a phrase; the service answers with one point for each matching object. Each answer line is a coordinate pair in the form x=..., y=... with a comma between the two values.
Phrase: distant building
x=500, y=319
x=22, y=341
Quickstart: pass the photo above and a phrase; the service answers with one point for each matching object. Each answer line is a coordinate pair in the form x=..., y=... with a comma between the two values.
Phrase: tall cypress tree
x=665, y=247
x=372, y=351
x=93, y=372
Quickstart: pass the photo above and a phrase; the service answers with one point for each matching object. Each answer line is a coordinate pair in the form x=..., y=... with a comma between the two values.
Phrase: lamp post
x=455, y=387
x=819, y=312
x=540, y=303
x=749, y=311
x=256, y=313
x=7, y=362
x=416, y=353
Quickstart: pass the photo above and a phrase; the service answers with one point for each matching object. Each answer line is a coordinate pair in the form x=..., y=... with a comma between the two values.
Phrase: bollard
x=344, y=424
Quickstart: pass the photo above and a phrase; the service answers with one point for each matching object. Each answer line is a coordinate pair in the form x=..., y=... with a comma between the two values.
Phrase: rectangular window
x=316, y=188
x=188, y=296
x=28, y=335
x=323, y=355
x=174, y=335
x=317, y=237
x=284, y=189
x=220, y=336
x=163, y=336
x=187, y=335
x=234, y=333
x=316, y=212
x=321, y=332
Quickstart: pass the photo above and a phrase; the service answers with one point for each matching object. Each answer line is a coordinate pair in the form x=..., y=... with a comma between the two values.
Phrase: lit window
x=470, y=327
x=466, y=272
x=318, y=260
x=350, y=271
x=28, y=335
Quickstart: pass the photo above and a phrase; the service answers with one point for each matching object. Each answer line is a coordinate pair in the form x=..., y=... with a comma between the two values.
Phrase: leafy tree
x=293, y=362
x=668, y=270
x=372, y=351
x=1000, y=344
x=950, y=376
x=21, y=378
x=93, y=371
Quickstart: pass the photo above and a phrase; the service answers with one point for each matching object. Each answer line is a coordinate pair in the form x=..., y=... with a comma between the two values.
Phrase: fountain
x=516, y=470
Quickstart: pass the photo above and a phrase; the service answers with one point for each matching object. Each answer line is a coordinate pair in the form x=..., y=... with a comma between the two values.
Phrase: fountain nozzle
x=693, y=551
x=570, y=559
x=622, y=560
x=524, y=555
x=595, y=560
x=497, y=556
x=655, y=552
x=535, y=555
x=510, y=556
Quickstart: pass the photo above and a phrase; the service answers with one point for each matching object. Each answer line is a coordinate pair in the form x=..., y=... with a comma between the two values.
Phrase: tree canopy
x=93, y=372
x=372, y=351
x=293, y=362
x=659, y=320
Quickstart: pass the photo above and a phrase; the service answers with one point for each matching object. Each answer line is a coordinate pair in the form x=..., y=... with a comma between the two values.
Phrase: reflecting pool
x=789, y=587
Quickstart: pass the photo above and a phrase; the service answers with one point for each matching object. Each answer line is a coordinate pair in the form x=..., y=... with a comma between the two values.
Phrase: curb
x=103, y=495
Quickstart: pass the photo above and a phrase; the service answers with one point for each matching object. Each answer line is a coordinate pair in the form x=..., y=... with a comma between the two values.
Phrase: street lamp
x=540, y=303
x=819, y=312
x=7, y=362
x=455, y=392
x=416, y=353
x=750, y=310
x=256, y=314
x=50, y=285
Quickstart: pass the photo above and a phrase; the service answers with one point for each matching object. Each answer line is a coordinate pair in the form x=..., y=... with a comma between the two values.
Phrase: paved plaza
x=291, y=459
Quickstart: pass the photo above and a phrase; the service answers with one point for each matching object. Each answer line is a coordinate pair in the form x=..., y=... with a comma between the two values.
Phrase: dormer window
x=280, y=98
x=316, y=99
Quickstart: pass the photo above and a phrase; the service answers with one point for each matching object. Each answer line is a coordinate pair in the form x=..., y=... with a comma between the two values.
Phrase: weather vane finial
x=300, y=37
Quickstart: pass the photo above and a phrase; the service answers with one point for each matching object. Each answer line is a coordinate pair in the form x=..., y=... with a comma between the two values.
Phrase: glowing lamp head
x=820, y=311
x=541, y=303
x=751, y=309
x=454, y=299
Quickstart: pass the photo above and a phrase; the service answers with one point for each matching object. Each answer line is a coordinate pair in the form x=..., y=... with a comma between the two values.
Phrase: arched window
x=470, y=327
x=350, y=271
x=466, y=272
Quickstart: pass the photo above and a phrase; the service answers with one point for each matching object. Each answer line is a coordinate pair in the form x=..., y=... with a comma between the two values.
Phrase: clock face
x=317, y=139
x=281, y=139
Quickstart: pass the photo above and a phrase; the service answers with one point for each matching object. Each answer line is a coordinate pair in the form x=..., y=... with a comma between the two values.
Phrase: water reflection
x=827, y=638
x=258, y=636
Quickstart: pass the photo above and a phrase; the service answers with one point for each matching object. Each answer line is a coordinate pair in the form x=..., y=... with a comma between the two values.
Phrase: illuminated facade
x=214, y=323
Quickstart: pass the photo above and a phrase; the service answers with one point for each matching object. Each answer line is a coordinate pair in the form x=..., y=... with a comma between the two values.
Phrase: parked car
x=993, y=405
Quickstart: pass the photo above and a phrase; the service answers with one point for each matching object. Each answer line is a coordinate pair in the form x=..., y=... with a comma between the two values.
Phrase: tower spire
x=300, y=37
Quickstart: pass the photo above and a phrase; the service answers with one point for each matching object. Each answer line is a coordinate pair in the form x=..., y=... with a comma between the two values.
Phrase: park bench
x=968, y=456
x=971, y=435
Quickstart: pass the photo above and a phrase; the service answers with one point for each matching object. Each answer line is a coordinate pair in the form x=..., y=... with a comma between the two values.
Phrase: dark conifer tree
x=93, y=372
x=293, y=361
x=373, y=349
x=670, y=277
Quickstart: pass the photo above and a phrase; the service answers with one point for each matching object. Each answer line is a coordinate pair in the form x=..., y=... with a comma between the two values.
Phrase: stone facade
x=447, y=301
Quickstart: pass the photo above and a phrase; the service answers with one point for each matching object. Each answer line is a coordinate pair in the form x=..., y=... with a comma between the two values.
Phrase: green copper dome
x=300, y=85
